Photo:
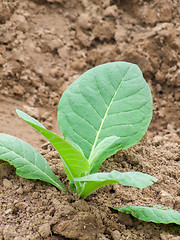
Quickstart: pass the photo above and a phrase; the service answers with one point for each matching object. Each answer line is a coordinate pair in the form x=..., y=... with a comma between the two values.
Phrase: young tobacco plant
x=106, y=109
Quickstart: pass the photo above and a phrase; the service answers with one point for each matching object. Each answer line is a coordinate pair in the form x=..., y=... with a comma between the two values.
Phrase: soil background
x=44, y=47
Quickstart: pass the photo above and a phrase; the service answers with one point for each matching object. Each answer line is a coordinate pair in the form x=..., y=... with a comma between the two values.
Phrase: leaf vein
x=131, y=94
x=90, y=104
x=133, y=110
x=83, y=118
x=108, y=107
x=76, y=131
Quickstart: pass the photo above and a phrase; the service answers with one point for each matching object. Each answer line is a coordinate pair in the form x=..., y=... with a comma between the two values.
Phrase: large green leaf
x=29, y=163
x=97, y=180
x=112, y=99
x=156, y=214
x=75, y=164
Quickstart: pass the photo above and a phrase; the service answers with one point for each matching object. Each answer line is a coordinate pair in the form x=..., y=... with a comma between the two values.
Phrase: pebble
x=106, y=3
x=21, y=238
x=8, y=211
x=9, y=232
x=162, y=112
x=160, y=77
x=78, y=64
x=120, y=34
x=22, y=205
x=84, y=21
x=32, y=111
x=18, y=89
x=116, y=235
x=166, y=198
x=167, y=236
x=111, y=11
x=45, y=230
x=7, y=183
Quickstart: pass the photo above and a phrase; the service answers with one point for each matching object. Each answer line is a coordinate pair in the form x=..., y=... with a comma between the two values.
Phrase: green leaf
x=156, y=214
x=97, y=180
x=75, y=164
x=29, y=163
x=107, y=147
x=112, y=99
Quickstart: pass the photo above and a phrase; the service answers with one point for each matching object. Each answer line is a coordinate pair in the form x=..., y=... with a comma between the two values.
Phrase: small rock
x=50, y=81
x=85, y=3
x=78, y=64
x=20, y=238
x=43, y=90
x=18, y=89
x=22, y=205
x=84, y=39
x=8, y=211
x=55, y=44
x=104, y=31
x=167, y=236
x=157, y=140
x=106, y=3
x=9, y=232
x=116, y=235
x=45, y=230
x=48, y=125
x=35, y=195
x=84, y=21
x=19, y=190
x=163, y=103
x=111, y=11
x=166, y=198
x=158, y=87
x=162, y=112
x=120, y=34
x=34, y=112
x=63, y=52
x=7, y=183
x=160, y=77
x=21, y=23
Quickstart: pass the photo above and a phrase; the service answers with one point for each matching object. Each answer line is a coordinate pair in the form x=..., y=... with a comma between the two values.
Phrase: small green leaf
x=29, y=163
x=156, y=214
x=97, y=180
x=106, y=148
x=75, y=164
x=111, y=99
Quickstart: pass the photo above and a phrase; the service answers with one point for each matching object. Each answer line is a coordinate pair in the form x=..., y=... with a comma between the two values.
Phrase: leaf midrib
x=105, y=115
x=26, y=160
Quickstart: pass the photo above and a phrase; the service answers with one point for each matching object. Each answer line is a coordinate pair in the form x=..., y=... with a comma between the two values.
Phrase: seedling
x=106, y=109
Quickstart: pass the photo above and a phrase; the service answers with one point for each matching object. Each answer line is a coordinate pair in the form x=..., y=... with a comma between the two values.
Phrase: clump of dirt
x=44, y=46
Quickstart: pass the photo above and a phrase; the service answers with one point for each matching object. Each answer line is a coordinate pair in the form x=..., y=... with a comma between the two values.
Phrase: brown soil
x=45, y=46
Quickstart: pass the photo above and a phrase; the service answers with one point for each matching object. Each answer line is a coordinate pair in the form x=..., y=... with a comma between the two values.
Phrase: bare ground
x=44, y=47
